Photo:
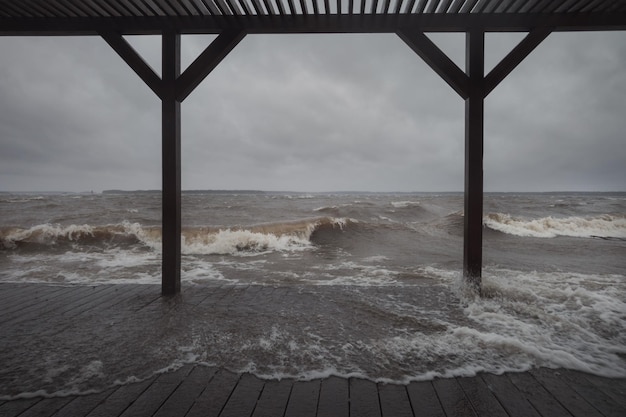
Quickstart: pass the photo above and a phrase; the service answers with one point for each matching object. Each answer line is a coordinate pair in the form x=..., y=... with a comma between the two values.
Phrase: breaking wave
x=603, y=226
x=285, y=236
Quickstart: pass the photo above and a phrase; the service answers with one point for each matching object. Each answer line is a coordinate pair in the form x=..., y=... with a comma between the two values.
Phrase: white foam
x=610, y=226
x=242, y=243
x=558, y=319
x=405, y=204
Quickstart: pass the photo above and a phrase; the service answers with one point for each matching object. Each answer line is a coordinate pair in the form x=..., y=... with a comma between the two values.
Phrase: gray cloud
x=313, y=113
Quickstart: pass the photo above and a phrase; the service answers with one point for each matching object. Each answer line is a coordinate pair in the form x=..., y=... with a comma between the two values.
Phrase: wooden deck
x=29, y=313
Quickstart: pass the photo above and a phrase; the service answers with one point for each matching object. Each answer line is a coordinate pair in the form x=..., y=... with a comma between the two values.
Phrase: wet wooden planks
x=196, y=390
x=199, y=390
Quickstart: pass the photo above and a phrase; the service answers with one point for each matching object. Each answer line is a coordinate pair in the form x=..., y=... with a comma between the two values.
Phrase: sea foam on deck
x=366, y=285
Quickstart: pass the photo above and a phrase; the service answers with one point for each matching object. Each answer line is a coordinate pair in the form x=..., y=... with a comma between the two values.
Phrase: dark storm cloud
x=323, y=112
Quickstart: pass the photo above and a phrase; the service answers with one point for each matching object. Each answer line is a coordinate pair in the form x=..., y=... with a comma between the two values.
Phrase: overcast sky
x=313, y=113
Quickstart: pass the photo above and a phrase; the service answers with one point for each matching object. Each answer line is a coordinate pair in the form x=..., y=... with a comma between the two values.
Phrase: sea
x=373, y=281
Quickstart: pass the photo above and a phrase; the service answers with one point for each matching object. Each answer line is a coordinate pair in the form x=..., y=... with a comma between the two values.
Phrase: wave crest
x=283, y=236
x=603, y=226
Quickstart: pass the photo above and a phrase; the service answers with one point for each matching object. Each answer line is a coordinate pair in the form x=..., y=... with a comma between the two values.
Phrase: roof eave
x=324, y=23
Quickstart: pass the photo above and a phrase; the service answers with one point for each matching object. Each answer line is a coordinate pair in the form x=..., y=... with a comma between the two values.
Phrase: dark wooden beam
x=474, y=131
x=324, y=23
x=437, y=60
x=207, y=61
x=171, y=159
x=134, y=60
x=515, y=57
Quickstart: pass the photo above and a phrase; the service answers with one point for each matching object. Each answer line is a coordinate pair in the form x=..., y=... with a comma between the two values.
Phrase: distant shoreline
x=260, y=192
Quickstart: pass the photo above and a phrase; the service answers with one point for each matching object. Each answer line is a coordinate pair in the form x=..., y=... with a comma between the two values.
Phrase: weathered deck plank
x=570, y=399
x=274, y=398
x=481, y=398
x=453, y=399
x=46, y=407
x=537, y=395
x=83, y=405
x=606, y=396
x=16, y=407
x=303, y=400
x=213, y=398
x=116, y=403
x=394, y=401
x=244, y=397
x=508, y=395
x=334, y=398
x=181, y=400
x=364, y=400
x=149, y=402
x=424, y=400
x=198, y=390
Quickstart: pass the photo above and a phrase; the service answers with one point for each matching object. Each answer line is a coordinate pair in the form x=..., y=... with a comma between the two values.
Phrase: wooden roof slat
x=456, y=6
x=373, y=6
x=76, y=8
x=188, y=7
x=315, y=7
x=541, y=6
x=493, y=6
x=528, y=6
x=579, y=5
x=281, y=8
x=166, y=7
x=223, y=7
x=384, y=6
x=480, y=7
x=144, y=8
x=45, y=9
x=96, y=9
x=156, y=8
x=292, y=7
x=245, y=7
x=554, y=4
x=106, y=6
x=598, y=4
x=269, y=9
x=432, y=6
x=468, y=6
x=119, y=8
x=443, y=8
x=409, y=7
x=19, y=10
x=504, y=6
x=516, y=6
x=256, y=5
x=399, y=5
x=234, y=7
x=211, y=7
x=60, y=9
x=135, y=7
x=175, y=7
x=565, y=6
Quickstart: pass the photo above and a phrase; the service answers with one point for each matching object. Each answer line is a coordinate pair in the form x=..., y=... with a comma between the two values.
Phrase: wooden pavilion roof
x=76, y=17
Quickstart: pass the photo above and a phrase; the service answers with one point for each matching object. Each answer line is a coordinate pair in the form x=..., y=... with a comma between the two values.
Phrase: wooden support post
x=171, y=160
x=474, y=131
x=172, y=88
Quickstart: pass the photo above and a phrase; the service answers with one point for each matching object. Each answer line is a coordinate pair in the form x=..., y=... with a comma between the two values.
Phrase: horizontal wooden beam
x=324, y=23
